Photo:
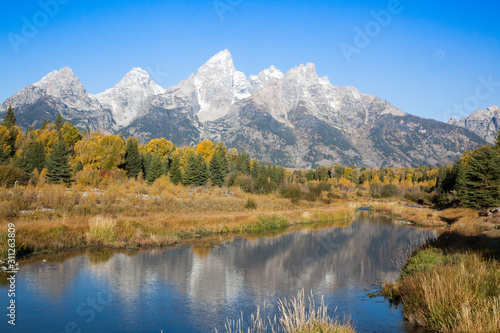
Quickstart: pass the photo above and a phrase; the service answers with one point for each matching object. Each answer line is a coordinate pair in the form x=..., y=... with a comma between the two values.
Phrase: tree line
x=64, y=154
x=61, y=153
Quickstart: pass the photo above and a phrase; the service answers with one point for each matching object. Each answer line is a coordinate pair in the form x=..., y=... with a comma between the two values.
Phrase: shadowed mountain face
x=195, y=289
x=296, y=119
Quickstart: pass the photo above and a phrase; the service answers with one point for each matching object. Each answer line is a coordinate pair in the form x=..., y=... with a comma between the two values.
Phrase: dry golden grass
x=298, y=315
x=53, y=217
x=458, y=294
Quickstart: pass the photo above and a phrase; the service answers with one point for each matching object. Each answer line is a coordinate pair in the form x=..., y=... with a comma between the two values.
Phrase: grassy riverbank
x=452, y=284
x=53, y=217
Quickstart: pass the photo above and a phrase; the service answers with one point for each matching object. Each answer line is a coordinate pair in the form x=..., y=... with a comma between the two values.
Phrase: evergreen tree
x=44, y=124
x=133, y=161
x=78, y=167
x=195, y=171
x=4, y=157
x=155, y=169
x=34, y=157
x=59, y=122
x=9, y=120
x=243, y=163
x=481, y=179
x=175, y=170
x=146, y=161
x=58, y=168
x=190, y=170
x=217, y=169
x=202, y=171
x=255, y=169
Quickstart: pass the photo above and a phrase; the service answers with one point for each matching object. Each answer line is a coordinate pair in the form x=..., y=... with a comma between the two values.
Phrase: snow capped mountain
x=218, y=85
x=128, y=97
x=296, y=119
x=484, y=123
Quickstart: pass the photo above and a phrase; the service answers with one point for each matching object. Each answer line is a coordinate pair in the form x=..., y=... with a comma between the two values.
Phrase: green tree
x=255, y=169
x=217, y=169
x=243, y=163
x=195, y=171
x=34, y=157
x=155, y=169
x=58, y=168
x=175, y=170
x=480, y=184
x=59, y=122
x=9, y=120
x=133, y=161
x=4, y=156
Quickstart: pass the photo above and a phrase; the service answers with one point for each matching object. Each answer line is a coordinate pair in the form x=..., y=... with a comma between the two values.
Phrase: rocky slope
x=296, y=119
x=484, y=123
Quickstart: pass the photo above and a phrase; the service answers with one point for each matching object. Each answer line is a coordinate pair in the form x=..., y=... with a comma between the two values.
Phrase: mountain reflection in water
x=195, y=289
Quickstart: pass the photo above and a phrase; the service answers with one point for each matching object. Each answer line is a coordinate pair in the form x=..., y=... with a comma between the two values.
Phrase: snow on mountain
x=128, y=97
x=218, y=85
x=62, y=85
x=264, y=78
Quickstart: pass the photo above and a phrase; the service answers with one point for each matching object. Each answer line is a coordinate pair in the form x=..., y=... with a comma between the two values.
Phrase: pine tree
x=34, y=157
x=58, y=168
x=146, y=161
x=255, y=169
x=59, y=122
x=201, y=171
x=175, y=170
x=188, y=178
x=4, y=157
x=217, y=171
x=133, y=161
x=243, y=163
x=195, y=171
x=481, y=179
x=9, y=120
x=155, y=169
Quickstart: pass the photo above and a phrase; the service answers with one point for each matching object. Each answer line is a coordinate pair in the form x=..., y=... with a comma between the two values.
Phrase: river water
x=194, y=289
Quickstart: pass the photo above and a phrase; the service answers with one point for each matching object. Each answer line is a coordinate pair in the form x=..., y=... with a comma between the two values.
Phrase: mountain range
x=294, y=119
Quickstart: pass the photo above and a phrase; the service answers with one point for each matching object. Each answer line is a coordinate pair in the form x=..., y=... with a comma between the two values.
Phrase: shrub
x=245, y=182
x=292, y=192
x=9, y=174
x=251, y=204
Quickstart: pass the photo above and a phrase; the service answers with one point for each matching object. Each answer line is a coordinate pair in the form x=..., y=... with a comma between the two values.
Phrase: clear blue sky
x=424, y=61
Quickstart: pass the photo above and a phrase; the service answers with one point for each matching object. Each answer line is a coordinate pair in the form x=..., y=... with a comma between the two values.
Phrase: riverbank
x=452, y=284
x=52, y=218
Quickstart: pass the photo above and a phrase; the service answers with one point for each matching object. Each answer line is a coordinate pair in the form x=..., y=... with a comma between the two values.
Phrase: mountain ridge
x=296, y=119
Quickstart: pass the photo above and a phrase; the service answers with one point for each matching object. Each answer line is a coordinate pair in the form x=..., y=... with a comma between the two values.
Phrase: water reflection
x=195, y=289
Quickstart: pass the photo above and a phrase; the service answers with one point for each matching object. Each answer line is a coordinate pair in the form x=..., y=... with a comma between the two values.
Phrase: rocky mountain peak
x=493, y=108
x=484, y=123
x=127, y=97
x=221, y=64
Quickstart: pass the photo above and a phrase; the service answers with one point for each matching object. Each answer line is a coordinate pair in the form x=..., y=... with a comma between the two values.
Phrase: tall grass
x=298, y=315
x=450, y=293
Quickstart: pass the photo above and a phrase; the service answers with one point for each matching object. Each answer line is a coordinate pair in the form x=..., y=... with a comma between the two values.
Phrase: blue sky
x=431, y=59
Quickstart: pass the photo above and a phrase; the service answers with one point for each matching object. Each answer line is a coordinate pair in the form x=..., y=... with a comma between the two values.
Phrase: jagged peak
x=64, y=73
x=222, y=60
x=307, y=70
x=273, y=72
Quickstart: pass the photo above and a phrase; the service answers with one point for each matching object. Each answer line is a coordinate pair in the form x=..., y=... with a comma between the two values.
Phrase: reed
x=297, y=315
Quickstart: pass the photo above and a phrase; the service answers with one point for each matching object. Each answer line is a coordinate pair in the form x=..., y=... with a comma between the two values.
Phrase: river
x=194, y=289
